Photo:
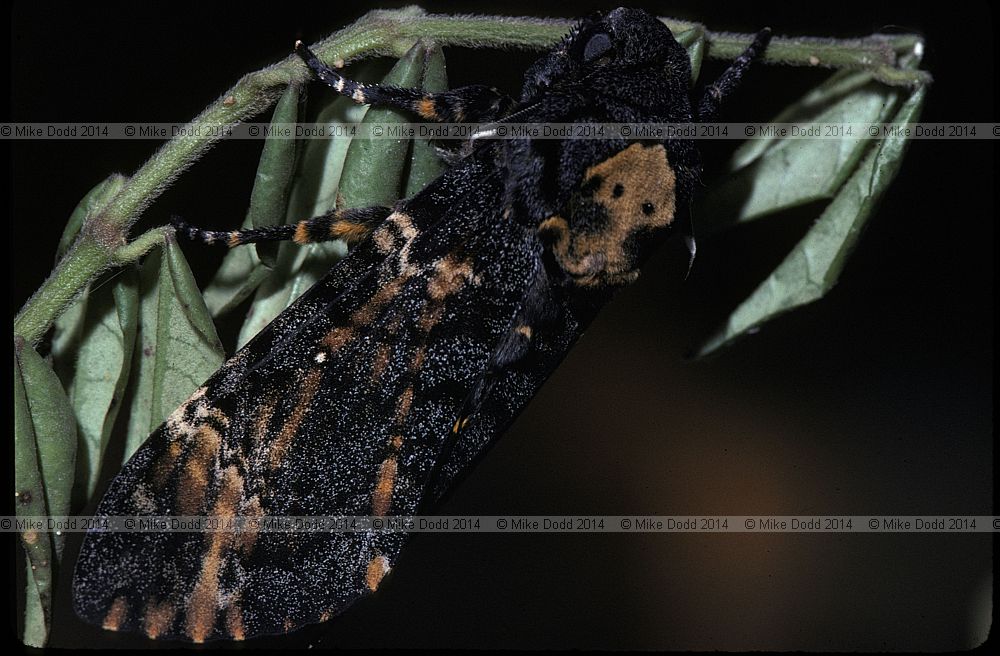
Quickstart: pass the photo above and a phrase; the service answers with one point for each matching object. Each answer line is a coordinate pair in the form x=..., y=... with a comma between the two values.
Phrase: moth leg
x=351, y=225
x=715, y=93
x=473, y=103
x=513, y=347
x=537, y=310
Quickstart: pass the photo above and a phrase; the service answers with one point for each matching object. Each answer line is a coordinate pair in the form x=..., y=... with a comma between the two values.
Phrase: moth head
x=622, y=38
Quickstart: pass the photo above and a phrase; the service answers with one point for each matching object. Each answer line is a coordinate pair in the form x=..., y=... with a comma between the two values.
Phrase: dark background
x=876, y=399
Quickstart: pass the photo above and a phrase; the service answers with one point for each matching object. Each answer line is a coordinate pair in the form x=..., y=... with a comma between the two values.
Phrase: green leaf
x=55, y=431
x=814, y=265
x=425, y=163
x=313, y=192
x=245, y=268
x=693, y=41
x=102, y=362
x=334, y=173
x=44, y=451
x=177, y=347
x=68, y=331
x=29, y=501
x=773, y=174
x=35, y=631
x=373, y=168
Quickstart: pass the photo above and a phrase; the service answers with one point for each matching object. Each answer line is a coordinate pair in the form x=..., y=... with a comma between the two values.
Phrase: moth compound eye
x=597, y=46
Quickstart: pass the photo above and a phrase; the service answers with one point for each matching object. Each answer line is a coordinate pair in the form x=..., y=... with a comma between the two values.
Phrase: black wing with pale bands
x=342, y=406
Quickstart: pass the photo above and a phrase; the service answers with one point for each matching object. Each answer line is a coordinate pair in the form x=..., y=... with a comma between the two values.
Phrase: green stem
x=141, y=245
x=877, y=53
x=84, y=261
x=101, y=242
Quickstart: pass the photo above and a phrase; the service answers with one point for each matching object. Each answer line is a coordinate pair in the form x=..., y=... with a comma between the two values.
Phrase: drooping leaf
x=44, y=451
x=101, y=370
x=373, y=168
x=776, y=173
x=814, y=265
x=54, y=428
x=29, y=501
x=313, y=192
x=693, y=41
x=335, y=173
x=245, y=268
x=425, y=162
x=177, y=347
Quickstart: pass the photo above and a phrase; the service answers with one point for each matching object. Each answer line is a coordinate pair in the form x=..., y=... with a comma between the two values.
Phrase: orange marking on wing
x=418, y=359
x=263, y=421
x=430, y=317
x=378, y=567
x=197, y=468
x=165, y=464
x=524, y=330
x=203, y=604
x=158, y=617
x=384, y=240
x=450, y=274
x=382, y=497
x=204, y=411
x=116, y=615
x=367, y=313
x=234, y=239
x=337, y=337
x=397, y=441
x=383, y=353
x=307, y=389
x=234, y=621
x=404, y=403
x=246, y=538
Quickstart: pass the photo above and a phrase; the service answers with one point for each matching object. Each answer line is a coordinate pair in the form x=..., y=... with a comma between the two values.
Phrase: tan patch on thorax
x=636, y=190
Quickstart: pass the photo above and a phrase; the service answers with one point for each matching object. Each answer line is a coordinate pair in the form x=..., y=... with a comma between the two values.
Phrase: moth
x=386, y=381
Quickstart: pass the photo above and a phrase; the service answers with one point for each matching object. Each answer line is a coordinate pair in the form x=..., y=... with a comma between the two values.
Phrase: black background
x=877, y=399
